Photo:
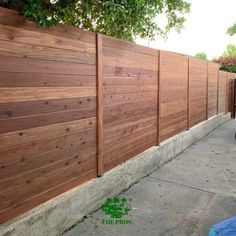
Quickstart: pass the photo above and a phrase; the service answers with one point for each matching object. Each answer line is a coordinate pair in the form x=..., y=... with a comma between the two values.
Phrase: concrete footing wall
x=60, y=213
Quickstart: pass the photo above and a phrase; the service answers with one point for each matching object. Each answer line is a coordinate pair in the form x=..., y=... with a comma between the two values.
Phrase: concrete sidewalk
x=184, y=197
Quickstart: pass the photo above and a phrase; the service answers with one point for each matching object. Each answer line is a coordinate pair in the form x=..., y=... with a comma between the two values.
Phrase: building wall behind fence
x=74, y=104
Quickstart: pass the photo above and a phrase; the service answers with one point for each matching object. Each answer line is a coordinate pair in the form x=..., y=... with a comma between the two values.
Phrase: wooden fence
x=74, y=104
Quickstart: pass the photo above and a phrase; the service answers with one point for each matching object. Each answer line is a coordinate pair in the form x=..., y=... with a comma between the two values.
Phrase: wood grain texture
x=43, y=107
x=100, y=112
x=230, y=95
x=48, y=125
x=207, y=85
x=173, y=92
x=212, y=88
x=198, y=86
x=26, y=65
x=11, y=48
x=227, y=93
x=231, y=77
x=10, y=17
x=17, y=79
x=31, y=94
x=188, y=99
x=29, y=203
x=75, y=149
x=31, y=37
x=130, y=100
x=158, y=98
x=75, y=104
x=222, y=92
x=33, y=134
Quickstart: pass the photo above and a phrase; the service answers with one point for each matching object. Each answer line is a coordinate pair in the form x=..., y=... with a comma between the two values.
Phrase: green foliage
x=228, y=59
x=228, y=63
x=124, y=19
x=230, y=51
x=201, y=55
x=232, y=30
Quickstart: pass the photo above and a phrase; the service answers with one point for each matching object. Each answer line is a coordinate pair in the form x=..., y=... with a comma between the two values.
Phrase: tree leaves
x=201, y=55
x=230, y=51
x=125, y=19
x=228, y=59
x=232, y=30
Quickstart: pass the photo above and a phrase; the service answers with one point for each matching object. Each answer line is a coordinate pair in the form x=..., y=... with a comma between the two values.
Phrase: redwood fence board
x=130, y=100
x=213, y=69
x=75, y=104
x=222, y=92
x=173, y=94
x=48, y=124
x=198, y=90
x=230, y=81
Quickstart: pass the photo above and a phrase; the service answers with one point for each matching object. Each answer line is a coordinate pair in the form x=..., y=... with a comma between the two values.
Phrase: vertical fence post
x=207, y=85
x=227, y=94
x=158, y=97
x=218, y=85
x=100, y=138
x=188, y=97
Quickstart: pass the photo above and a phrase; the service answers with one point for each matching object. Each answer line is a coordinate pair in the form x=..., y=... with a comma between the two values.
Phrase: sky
x=204, y=30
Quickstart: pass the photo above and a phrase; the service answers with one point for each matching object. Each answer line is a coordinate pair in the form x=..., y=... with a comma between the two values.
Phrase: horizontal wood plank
x=20, y=152
x=30, y=37
x=27, y=204
x=14, y=49
x=45, y=132
x=38, y=93
x=26, y=65
x=75, y=150
x=40, y=107
x=44, y=183
x=28, y=122
x=12, y=79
